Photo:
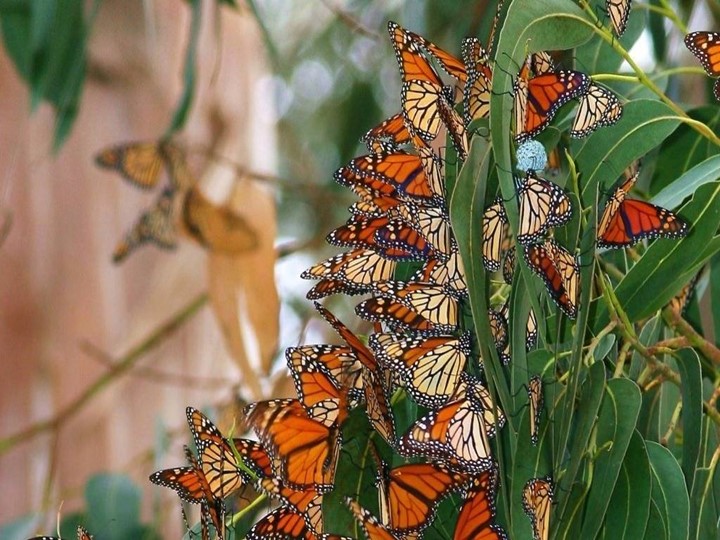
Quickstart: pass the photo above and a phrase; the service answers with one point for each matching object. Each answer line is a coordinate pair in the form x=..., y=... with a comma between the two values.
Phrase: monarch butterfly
x=433, y=167
x=459, y=430
x=706, y=47
x=530, y=329
x=327, y=287
x=535, y=399
x=366, y=208
x=619, y=12
x=559, y=270
x=373, y=529
x=284, y=523
x=542, y=205
x=82, y=534
x=255, y=457
x=625, y=222
x=385, y=203
x=447, y=271
x=432, y=302
x=681, y=301
x=499, y=332
x=306, y=449
x=392, y=129
x=214, y=226
x=373, y=378
x=413, y=492
x=316, y=389
x=142, y=162
x=476, y=93
x=430, y=367
x=397, y=238
x=478, y=511
x=425, y=100
x=359, y=232
x=397, y=315
x=449, y=63
x=537, y=498
x=350, y=177
x=359, y=267
x=432, y=223
x=404, y=172
x=496, y=234
x=508, y=269
x=307, y=502
x=339, y=362
x=538, y=99
x=157, y=225
x=598, y=107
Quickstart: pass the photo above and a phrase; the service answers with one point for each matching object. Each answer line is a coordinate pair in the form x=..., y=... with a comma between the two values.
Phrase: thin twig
x=126, y=362
x=351, y=22
x=675, y=321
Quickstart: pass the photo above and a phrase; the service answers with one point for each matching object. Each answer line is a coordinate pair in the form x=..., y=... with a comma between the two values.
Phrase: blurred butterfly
x=537, y=99
x=157, y=225
x=598, y=107
x=706, y=47
x=284, y=523
x=427, y=103
x=306, y=502
x=306, y=449
x=478, y=511
x=535, y=399
x=429, y=367
x=681, y=301
x=393, y=130
x=543, y=205
x=476, y=93
x=496, y=234
x=560, y=272
x=459, y=430
x=537, y=500
x=373, y=529
x=625, y=222
x=82, y=534
x=378, y=408
x=508, y=267
x=619, y=12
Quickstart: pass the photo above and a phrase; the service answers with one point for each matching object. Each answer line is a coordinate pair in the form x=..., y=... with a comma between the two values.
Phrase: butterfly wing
x=619, y=12
x=140, y=163
x=537, y=502
x=478, y=511
x=598, y=107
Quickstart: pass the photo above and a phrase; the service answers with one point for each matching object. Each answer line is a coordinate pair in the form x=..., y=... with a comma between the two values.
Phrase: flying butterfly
x=496, y=233
x=537, y=501
x=429, y=367
x=156, y=225
x=625, y=222
x=478, y=511
x=706, y=47
x=427, y=103
x=543, y=205
x=560, y=272
x=537, y=99
x=598, y=107
x=307, y=502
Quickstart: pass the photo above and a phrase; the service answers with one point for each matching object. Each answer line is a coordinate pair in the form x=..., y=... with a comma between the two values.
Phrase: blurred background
x=101, y=359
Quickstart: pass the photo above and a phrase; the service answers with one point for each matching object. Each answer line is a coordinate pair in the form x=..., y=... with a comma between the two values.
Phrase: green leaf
x=669, y=491
x=656, y=24
x=113, y=498
x=656, y=529
x=616, y=425
x=703, y=507
x=701, y=174
x=649, y=334
x=653, y=280
x=688, y=365
x=630, y=501
x=189, y=72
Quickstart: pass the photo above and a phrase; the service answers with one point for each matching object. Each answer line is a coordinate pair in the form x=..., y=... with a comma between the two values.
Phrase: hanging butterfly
x=543, y=205
x=499, y=333
x=350, y=177
x=598, y=107
x=560, y=272
x=478, y=511
x=429, y=367
x=508, y=267
x=432, y=165
x=427, y=103
x=432, y=302
x=157, y=225
x=476, y=93
x=496, y=234
x=459, y=430
x=449, y=63
x=82, y=534
x=537, y=99
x=625, y=222
x=537, y=500
x=393, y=130
x=284, y=523
x=368, y=196
x=535, y=399
x=404, y=172
x=359, y=267
x=619, y=12
x=328, y=287
x=373, y=529
x=530, y=330
x=306, y=449
x=447, y=271
x=377, y=406
x=706, y=47
x=681, y=301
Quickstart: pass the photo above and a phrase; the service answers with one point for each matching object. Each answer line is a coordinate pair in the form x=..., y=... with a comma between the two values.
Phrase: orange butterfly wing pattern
x=373, y=529
x=560, y=272
x=598, y=107
x=706, y=47
x=537, y=502
x=478, y=511
x=391, y=132
x=619, y=12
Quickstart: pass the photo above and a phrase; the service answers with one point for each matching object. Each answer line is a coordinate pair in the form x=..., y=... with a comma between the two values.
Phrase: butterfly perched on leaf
x=624, y=222
x=706, y=47
x=537, y=503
